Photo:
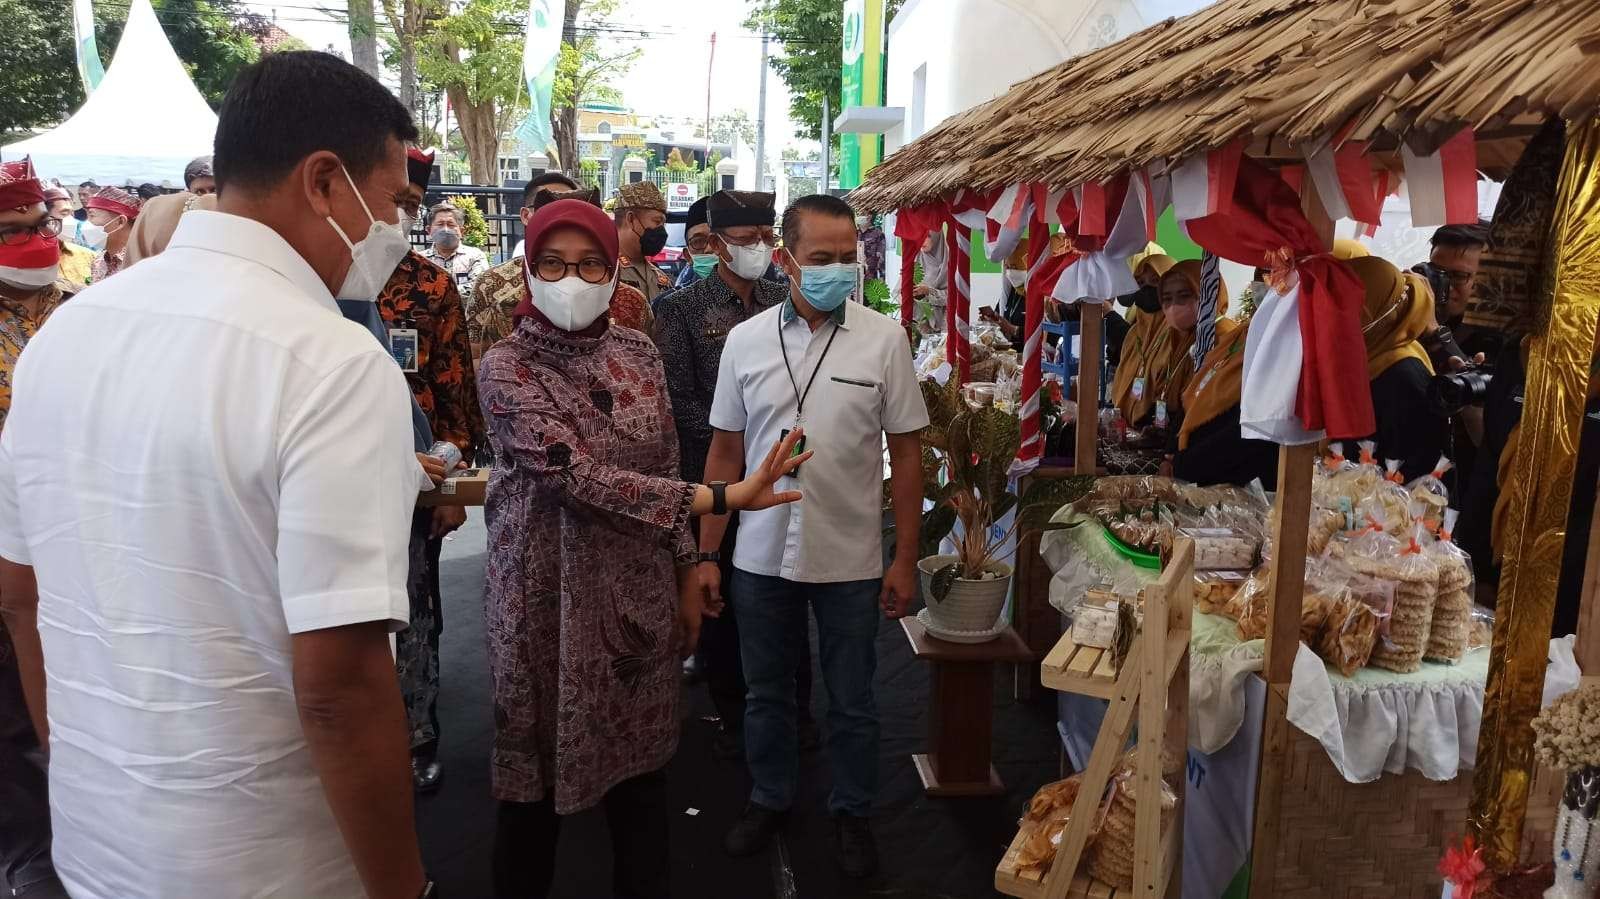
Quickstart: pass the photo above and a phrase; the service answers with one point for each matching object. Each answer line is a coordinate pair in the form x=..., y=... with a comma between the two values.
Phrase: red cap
x=586, y=217
x=19, y=186
x=419, y=166
x=115, y=200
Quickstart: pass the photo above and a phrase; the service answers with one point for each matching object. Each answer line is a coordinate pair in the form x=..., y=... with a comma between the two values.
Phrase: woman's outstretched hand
x=755, y=492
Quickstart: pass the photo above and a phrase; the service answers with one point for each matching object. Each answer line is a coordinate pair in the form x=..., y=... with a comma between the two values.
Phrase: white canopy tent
x=144, y=123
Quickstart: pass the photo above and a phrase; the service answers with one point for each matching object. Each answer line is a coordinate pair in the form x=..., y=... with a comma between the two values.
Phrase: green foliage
x=214, y=38
x=811, y=33
x=877, y=297
x=728, y=125
x=477, y=50
x=590, y=61
x=589, y=173
x=474, y=227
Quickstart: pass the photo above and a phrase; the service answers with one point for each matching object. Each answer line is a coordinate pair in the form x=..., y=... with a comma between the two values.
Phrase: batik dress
x=586, y=522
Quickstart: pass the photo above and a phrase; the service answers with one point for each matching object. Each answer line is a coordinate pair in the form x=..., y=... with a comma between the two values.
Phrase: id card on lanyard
x=404, y=346
x=799, y=395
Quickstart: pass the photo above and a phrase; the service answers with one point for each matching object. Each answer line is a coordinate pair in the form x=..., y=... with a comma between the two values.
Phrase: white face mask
x=572, y=303
x=94, y=236
x=373, y=258
x=749, y=262
x=1016, y=278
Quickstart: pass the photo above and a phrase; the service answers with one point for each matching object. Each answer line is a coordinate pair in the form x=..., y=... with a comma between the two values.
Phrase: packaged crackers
x=1452, y=613
x=1416, y=589
x=1213, y=589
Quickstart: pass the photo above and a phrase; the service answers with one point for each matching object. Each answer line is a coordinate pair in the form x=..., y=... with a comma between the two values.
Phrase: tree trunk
x=408, y=75
x=480, y=129
x=363, y=36
x=564, y=127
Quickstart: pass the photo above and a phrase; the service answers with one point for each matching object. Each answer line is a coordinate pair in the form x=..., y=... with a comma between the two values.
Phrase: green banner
x=861, y=84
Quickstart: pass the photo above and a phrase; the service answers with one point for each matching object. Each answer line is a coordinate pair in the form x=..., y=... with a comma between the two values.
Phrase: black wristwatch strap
x=719, y=497
x=713, y=556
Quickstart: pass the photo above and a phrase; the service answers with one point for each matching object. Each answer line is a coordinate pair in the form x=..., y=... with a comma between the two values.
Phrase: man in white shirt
x=209, y=475
x=464, y=263
x=843, y=374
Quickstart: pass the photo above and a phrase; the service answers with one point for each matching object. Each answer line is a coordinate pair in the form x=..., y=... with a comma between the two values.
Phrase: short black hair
x=83, y=184
x=148, y=191
x=820, y=204
x=545, y=179
x=1462, y=236
x=289, y=105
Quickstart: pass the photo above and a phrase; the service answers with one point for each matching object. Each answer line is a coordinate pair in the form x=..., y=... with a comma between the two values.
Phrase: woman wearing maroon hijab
x=588, y=532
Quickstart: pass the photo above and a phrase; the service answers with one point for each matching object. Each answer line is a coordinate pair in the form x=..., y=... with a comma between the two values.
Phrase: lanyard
x=800, y=398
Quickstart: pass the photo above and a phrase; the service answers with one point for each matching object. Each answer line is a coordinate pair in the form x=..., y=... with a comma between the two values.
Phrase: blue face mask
x=826, y=287
x=704, y=264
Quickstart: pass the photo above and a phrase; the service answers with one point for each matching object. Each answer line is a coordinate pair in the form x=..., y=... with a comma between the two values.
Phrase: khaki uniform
x=644, y=277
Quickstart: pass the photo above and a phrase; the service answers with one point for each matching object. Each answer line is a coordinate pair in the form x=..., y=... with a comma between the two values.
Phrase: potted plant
x=967, y=455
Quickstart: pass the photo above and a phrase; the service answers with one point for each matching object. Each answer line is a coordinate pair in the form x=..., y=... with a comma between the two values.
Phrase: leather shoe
x=426, y=774
x=858, y=852
x=754, y=830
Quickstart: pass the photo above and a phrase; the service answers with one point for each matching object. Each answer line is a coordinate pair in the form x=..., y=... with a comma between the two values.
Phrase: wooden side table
x=961, y=710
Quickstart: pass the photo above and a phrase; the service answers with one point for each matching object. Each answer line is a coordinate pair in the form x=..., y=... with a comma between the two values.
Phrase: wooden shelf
x=1030, y=884
x=1087, y=670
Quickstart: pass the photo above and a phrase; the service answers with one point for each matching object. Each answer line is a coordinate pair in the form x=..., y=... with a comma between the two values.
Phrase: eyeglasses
x=16, y=236
x=1459, y=279
x=700, y=243
x=594, y=270
x=764, y=235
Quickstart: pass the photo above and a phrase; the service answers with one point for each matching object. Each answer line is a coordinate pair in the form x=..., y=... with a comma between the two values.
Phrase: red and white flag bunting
x=1444, y=186
x=1203, y=185
x=1345, y=180
x=1099, y=276
x=1008, y=218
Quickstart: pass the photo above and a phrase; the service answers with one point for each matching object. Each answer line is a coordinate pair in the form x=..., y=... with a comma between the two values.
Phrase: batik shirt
x=502, y=289
x=691, y=325
x=17, y=327
x=423, y=296
x=586, y=519
x=107, y=264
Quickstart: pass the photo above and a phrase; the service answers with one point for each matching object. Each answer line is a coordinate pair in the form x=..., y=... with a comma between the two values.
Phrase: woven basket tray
x=1380, y=840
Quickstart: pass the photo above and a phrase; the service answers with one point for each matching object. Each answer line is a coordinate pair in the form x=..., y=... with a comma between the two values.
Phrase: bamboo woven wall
x=1289, y=70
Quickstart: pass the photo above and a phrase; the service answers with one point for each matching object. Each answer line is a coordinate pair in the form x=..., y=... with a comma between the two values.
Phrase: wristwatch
x=719, y=497
x=713, y=556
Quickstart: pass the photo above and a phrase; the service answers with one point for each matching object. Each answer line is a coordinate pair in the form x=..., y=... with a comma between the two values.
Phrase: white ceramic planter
x=970, y=605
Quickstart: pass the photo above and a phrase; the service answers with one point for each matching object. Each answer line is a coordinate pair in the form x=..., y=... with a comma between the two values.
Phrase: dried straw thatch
x=1277, y=73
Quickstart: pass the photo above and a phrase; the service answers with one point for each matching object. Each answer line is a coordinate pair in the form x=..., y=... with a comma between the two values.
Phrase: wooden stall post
x=1090, y=349
x=1287, y=584
x=1285, y=593
x=1587, y=649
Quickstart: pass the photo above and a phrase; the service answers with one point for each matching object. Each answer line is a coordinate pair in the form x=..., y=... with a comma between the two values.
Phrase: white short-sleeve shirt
x=864, y=386
x=202, y=458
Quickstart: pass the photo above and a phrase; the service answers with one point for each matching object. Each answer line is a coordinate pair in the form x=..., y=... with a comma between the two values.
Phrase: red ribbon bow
x=1462, y=866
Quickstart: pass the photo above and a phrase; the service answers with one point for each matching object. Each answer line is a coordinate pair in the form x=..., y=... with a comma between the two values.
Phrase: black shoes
x=754, y=830
x=858, y=853
x=426, y=774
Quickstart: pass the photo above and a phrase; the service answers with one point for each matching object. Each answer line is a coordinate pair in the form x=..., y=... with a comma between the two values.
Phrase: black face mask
x=651, y=240
x=1147, y=298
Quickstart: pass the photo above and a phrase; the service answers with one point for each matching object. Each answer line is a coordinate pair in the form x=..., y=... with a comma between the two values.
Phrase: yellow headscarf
x=1397, y=311
x=1155, y=258
x=1150, y=250
x=1347, y=249
x=1178, y=369
x=1218, y=384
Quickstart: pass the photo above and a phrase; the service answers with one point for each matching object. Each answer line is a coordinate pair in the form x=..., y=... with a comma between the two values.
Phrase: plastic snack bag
x=1416, y=591
x=1452, y=614
x=1213, y=589
x=1348, y=636
x=1480, y=634
x=1430, y=489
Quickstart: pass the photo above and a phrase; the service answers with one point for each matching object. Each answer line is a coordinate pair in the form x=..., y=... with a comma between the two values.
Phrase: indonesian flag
x=1444, y=186
x=971, y=207
x=1149, y=189
x=1090, y=198
x=1384, y=185
x=1060, y=206
x=1203, y=185
x=1344, y=179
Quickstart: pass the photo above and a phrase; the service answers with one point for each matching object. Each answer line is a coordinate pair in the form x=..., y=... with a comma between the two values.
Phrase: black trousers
x=718, y=652
x=526, y=835
x=24, y=796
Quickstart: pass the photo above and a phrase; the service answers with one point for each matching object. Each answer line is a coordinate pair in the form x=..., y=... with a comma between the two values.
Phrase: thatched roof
x=1278, y=73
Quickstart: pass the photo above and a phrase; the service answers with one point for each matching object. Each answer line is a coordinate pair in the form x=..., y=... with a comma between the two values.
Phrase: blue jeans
x=772, y=643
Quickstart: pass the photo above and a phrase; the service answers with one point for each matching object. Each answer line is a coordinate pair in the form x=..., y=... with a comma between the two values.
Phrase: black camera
x=1449, y=394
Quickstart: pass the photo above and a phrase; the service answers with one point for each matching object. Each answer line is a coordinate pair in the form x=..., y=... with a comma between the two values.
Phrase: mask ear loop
x=359, y=199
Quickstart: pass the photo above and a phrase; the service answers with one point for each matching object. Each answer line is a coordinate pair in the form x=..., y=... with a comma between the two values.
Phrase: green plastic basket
x=1141, y=559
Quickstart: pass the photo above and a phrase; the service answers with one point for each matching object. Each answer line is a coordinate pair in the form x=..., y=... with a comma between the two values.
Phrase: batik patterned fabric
x=17, y=327
x=586, y=520
x=422, y=295
x=692, y=324
x=106, y=264
x=416, y=659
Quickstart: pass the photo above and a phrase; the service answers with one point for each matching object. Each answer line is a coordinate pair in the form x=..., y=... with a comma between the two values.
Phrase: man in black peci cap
x=690, y=326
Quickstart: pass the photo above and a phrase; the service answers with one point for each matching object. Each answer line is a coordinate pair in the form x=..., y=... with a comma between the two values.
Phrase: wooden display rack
x=1154, y=680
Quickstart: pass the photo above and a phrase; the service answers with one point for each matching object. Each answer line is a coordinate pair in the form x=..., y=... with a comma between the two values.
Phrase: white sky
x=669, y=78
